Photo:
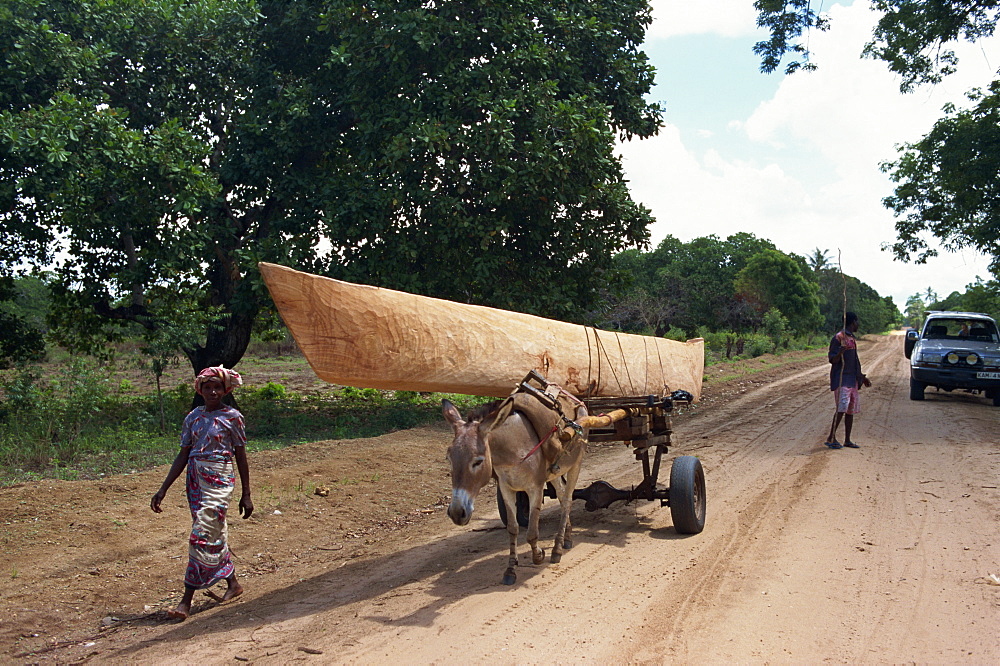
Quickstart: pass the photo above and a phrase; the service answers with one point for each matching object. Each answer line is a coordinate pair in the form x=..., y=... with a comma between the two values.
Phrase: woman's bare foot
x=234, y=590
x=179, y=613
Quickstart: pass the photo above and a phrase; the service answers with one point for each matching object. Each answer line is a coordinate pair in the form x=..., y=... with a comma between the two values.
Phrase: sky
x=793, y=159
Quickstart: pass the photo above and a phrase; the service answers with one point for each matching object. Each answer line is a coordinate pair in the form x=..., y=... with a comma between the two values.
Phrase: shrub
x=271, y=391
x=408, y=397
x=758, y=345
x=352, y=394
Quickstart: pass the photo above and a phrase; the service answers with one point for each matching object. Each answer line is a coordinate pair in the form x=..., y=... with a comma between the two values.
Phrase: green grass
x=80, y=421
x=748, y=367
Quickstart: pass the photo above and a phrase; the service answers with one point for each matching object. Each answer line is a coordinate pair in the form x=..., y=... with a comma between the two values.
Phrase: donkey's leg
x=565, y=485
x=510, y=499
x=559, y=483
x=535, y=502
x=571, y=480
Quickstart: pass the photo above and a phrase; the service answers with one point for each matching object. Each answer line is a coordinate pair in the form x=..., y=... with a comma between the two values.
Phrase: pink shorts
x=847, y=400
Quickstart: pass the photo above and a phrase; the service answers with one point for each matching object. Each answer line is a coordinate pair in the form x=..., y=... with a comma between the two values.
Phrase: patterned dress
x=213, y=438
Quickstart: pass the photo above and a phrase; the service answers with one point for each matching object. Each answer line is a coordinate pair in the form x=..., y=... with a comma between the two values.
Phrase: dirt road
x=877, y=555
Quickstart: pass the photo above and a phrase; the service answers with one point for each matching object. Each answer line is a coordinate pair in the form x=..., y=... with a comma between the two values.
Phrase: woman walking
x=212, y=440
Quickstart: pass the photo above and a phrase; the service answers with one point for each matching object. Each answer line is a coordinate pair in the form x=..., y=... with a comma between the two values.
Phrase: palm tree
x=819, y=260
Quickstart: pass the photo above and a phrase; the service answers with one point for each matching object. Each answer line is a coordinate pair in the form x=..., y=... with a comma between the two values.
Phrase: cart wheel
x=523, y=507
x=687, y=495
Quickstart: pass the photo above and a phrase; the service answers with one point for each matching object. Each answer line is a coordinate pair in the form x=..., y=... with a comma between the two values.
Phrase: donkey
x=510, y=453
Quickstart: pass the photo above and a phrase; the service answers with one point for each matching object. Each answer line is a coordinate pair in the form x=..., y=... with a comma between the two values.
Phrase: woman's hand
x=246, y=506
x=154, y=503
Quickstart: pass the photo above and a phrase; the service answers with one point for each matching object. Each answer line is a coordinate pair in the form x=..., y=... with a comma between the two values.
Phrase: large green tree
x=685, y=285
x=772, y=279
x=948, y=180
x=839, y=293
x=949, y=183
x=154, y=151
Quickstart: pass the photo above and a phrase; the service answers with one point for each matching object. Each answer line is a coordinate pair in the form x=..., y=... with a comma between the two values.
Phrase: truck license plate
x=988, y=375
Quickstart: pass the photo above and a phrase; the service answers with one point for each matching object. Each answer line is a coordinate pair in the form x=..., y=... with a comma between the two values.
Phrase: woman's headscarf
x=230, y=378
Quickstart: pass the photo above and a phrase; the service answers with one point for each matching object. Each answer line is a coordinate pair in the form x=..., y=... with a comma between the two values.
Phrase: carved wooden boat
x=369, y=337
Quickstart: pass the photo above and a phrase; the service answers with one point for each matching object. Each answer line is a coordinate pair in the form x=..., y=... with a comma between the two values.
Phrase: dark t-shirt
x=847, y=371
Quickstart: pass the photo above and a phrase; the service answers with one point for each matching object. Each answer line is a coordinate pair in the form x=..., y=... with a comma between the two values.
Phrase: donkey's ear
x=451, y=414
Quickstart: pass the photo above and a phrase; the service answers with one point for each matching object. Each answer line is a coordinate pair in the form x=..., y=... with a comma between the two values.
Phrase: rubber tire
x=916, y=389
x=523, y=507
x=687, y=495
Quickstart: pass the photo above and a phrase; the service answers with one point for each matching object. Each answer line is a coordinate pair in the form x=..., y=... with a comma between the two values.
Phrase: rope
x=621, y=352
x=645, y=358
x=600, y=348
x=590, y=364
x=663, y=373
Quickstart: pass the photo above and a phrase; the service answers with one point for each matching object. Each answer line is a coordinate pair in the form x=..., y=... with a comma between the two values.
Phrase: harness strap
x=540, y=442
x=550, y=392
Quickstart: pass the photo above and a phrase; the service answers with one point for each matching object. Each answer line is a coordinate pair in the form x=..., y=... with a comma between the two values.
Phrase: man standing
x=845, y=380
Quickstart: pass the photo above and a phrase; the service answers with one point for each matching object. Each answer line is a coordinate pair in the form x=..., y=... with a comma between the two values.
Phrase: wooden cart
x=642, y=422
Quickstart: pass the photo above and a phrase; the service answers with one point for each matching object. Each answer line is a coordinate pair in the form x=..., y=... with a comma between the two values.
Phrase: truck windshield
x=958, y=329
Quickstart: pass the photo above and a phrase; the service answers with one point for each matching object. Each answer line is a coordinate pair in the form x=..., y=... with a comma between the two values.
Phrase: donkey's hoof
x=567, y=544
x=538, y=557
x=556, y=557
x=509, y=576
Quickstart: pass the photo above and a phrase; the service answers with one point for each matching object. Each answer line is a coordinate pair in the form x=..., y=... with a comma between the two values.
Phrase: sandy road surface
x=877, y=555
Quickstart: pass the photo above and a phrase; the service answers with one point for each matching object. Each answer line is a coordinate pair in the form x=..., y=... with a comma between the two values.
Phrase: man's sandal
x=851, y=445
x=834, y=445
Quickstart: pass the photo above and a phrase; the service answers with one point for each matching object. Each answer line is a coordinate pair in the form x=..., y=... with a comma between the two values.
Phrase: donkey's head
x=471, y=466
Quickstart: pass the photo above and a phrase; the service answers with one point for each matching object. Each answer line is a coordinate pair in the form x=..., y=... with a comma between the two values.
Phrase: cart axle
x=601, y=495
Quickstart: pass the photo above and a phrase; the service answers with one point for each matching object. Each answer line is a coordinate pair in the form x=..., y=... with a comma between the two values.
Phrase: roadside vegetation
x=67, y=415
x=79, y=418
x=74, y=417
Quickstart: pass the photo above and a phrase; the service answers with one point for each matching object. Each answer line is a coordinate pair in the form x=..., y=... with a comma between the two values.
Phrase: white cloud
x=814, y=179
x=727, y=18
x=850, y=109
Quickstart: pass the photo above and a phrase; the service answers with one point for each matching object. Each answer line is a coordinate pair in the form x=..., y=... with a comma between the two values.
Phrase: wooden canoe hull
x=369, y=337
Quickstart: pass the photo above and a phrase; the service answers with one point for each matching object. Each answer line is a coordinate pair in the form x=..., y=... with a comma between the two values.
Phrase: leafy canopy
x=154, y=151
x=947, y=180
x=912, y=36
x=713, y=285
x=774, y=280
x=949, y=183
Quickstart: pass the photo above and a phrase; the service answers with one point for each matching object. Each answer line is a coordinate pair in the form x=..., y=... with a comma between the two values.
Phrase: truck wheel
x=687, y=495
x=523, y=507
x=916, y=390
